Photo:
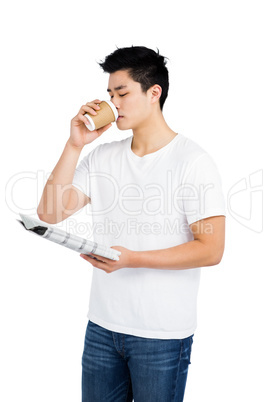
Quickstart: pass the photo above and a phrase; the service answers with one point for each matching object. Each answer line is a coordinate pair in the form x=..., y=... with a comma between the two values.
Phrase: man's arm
x=205, y=250
x=60, y=199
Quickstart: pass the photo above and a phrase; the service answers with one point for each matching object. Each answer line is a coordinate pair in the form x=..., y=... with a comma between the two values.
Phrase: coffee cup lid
x=113, y=108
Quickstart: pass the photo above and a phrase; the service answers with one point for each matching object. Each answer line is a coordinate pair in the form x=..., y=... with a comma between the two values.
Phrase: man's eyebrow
x=117, y=88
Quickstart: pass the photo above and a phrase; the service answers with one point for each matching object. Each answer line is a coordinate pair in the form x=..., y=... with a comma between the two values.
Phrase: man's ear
x=156, y=92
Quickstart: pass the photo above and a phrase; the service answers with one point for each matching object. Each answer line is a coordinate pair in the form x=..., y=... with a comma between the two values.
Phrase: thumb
x=102, y=129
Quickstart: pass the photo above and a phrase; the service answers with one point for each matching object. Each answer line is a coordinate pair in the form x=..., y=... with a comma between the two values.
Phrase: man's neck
x=152, y=135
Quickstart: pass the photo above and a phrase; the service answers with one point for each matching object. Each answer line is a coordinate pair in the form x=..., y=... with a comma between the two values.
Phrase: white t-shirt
x=147, y=203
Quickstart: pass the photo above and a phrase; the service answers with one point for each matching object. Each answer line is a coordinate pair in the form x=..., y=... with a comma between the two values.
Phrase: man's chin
x=121, y=126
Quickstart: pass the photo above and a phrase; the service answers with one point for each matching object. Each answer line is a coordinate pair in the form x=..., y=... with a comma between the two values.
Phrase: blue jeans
x=118, y=367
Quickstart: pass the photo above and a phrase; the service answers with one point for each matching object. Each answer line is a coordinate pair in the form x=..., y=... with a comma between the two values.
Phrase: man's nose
x=116, y=102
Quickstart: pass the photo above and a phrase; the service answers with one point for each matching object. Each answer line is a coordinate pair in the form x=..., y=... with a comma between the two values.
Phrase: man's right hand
x=80, y=135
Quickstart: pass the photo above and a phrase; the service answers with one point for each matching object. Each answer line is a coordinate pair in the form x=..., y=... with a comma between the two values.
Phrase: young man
x=155, y=196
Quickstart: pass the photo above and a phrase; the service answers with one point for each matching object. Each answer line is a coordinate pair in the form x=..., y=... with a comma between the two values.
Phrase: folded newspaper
x=65, y=239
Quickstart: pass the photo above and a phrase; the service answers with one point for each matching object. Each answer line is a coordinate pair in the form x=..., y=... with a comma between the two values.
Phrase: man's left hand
x=109, y=266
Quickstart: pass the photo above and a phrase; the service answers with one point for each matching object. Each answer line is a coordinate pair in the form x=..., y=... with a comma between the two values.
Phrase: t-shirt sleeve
x=202, y=191
x=81, y=178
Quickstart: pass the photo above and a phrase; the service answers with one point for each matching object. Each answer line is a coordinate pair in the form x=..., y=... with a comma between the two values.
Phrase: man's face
x=133, y=105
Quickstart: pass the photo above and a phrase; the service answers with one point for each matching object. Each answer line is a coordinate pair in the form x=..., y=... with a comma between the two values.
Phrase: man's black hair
x=143, y=65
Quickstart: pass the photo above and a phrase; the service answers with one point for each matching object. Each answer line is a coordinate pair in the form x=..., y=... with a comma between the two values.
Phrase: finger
x=94, y=105
x=86, y=256
x=100, y=258
x=102, y=129
x=90, y=257
x=96, y=101
x=88, y=109
x=96, y=263
x=104, y=259
x=83, y=118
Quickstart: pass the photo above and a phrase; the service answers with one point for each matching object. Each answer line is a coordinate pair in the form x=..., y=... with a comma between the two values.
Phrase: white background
x=218, y=67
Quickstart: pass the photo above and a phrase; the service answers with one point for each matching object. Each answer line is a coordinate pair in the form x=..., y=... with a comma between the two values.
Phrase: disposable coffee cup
x=105, y=115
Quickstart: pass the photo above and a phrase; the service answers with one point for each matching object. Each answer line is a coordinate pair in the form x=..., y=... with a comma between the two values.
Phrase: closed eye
x=111, y=96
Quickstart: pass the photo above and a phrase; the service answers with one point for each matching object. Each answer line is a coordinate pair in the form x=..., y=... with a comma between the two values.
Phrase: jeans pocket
x=190, y=347
x=187, y=348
